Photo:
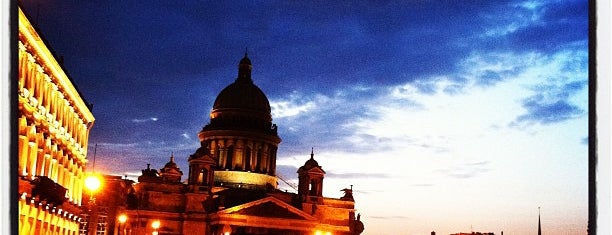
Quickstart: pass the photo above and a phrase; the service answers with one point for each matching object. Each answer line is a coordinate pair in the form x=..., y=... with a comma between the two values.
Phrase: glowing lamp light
x=227, y=230
x=122, y=218
x=92, y=183
x=319, y=232
x=155, y=224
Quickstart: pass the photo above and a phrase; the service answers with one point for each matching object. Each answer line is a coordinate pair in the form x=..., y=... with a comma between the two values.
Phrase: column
x=272, y=158
x=222, y=154
x=23, y=154
x=213, y=149
x=264, y=164
x=32, y=156
x=230, y=154
x=239, y=158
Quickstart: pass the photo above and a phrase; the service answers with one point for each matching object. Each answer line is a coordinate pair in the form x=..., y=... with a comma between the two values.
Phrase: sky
x=444, y=116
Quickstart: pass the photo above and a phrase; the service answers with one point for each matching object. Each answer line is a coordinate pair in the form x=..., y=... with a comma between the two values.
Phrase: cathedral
x=231, y=185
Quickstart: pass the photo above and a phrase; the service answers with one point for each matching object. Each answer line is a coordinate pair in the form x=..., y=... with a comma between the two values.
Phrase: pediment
x=269, y=207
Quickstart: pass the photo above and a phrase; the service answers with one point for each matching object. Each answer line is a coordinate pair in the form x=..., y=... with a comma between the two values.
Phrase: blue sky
x=443, y=115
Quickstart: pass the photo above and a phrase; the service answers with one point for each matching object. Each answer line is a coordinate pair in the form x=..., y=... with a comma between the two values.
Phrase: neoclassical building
x=53, y=130
x=231, y=185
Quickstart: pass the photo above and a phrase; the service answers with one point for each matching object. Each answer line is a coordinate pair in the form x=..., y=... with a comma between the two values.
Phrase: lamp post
x=92, y=184
x=226, y=230
x=155, y=225
x=120, y=230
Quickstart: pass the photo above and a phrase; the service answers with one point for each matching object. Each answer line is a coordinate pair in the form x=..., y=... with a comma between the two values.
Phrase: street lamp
x=122, y=218
x=155, y=225
x=226, y=230
x=92, y=184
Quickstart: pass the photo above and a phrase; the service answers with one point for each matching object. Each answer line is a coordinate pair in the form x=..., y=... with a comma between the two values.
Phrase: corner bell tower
x=201, y=171
x=310, y=176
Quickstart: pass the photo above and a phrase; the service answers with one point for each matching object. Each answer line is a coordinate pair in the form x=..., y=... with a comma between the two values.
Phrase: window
x=101, y=225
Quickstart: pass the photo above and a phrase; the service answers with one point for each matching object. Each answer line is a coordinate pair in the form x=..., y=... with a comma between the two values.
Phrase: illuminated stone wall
x=244, y=179
x=53, y=130
x=240, y=151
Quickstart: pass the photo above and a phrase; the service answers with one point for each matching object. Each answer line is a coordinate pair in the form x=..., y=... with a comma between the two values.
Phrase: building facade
x=101, y=210
x=53, y=130
x=231, y=185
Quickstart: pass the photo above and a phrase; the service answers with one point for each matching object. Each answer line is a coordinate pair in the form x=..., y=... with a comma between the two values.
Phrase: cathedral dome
x=243, y=96
x=242, y=105
x=240, y=138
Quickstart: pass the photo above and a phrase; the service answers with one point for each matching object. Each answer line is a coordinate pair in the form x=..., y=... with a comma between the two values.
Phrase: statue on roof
x=348, y=194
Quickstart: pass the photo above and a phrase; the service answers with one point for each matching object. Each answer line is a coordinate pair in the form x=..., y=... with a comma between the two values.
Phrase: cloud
x=359, y=191
x=539, y=111
x=560, y=94
x=489, y=68
x=513, y=18
x=293, y=106
x=186, y=136
x=388, y=217
x=466, y=170
x=114, y=145
x=355, y=175
x=287, y=172
x=154, y=119
x=328, y=121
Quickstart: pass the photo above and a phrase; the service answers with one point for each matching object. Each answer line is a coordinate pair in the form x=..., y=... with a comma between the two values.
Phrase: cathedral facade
x=231, y=185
